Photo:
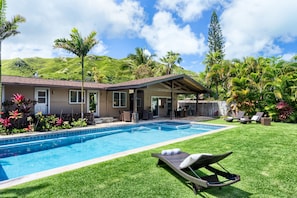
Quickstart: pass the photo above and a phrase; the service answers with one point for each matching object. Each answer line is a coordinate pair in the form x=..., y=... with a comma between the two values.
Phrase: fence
x=205, y=108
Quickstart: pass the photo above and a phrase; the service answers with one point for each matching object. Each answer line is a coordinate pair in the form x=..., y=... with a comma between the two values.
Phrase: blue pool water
x=25, y=156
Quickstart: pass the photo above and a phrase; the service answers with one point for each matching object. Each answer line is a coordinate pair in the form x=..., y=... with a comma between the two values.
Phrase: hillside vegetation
x=104, y=69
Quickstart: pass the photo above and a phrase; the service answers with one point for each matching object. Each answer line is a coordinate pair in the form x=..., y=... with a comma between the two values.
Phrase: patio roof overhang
x=182, y=84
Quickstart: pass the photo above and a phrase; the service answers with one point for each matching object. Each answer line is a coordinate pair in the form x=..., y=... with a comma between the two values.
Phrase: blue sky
x=250, y=27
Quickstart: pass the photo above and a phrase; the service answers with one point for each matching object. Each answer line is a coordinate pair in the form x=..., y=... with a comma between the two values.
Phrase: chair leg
x=196, y=188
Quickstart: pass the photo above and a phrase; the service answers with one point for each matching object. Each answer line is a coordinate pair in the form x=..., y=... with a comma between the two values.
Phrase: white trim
x=47, y=91
x=97, y=103
x=77, y=91
x=126, y=99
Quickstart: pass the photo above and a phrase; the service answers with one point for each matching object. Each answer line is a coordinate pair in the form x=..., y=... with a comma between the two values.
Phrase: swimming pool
x=27, y=155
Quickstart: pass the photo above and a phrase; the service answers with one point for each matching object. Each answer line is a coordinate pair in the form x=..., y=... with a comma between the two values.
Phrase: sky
x=250, y=27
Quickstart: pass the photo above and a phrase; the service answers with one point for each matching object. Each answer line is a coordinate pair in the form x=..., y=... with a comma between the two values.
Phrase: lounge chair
x=237, y=117
x=187, y=166
x=257, y=118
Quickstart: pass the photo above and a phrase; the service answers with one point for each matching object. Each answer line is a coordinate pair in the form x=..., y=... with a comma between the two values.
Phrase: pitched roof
x=183, y=83
x=16, y=80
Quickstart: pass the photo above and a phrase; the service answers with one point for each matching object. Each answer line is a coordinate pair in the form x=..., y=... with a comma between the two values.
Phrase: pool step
x=104, y=120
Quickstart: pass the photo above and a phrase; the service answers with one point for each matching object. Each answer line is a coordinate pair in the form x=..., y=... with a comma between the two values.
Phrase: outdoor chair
x=237, y=117
x=190, y=167
x=256, y=118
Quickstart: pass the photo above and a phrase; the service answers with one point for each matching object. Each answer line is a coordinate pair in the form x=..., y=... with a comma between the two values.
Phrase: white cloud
x=288, y=56
x=253, y=27
x=188, y=10
x=164, y=35
x=47, y=21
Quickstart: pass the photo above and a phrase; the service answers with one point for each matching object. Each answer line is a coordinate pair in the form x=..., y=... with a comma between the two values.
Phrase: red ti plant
x=5, y=122
x=285, y=110
x=18, y=98
x=59, y=122
x=15, y=114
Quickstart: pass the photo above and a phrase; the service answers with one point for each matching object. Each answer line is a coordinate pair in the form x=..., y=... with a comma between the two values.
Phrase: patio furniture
x=190, y=168
x=237, y=117
x=266, y=121
x=126, y=117
x=256, y=118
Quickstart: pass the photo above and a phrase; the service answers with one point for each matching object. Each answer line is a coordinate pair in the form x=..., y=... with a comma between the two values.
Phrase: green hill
x=106, y=69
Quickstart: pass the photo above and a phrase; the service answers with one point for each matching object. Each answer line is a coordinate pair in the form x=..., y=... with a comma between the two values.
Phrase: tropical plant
x=17, y=111
x=80, y=47
x=170, y=60
x=7, y=29
x=81, y=122
x=141, y=64
x=217, y=73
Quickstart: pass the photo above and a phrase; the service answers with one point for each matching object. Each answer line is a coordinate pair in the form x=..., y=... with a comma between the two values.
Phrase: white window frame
x=77, y=93
x=120, y=99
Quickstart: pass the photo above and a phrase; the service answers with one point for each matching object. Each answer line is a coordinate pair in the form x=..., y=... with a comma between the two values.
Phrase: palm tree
x=7, y=29
x=80, y=47
x=170, y=60
x=216, y=71
x=142, y=63
x=140, y=57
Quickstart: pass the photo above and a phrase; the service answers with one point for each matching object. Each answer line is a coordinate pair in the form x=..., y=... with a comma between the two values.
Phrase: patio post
x=172, y=100
x=197, y=97
x=135, y=116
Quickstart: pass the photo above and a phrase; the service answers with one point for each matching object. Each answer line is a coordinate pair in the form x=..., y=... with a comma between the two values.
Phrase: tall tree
x=215, y=55
x=215, y=37
x=7, y=29
x=170, y=60
x=80, y=47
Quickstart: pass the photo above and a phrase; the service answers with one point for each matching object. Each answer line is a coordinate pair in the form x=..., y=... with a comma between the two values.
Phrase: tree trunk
x=0, y=79
x=82, y=88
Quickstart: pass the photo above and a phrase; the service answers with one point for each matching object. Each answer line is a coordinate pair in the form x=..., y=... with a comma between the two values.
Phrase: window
x=75, y=97
x=119, y=99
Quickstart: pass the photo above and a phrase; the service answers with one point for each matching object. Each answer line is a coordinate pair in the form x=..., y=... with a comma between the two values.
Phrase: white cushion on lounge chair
x=255, y=118
x=171, y=151
x=191, y=159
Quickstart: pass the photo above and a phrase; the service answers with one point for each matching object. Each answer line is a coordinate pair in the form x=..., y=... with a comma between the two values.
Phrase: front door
x=42, y=100
x=92, y=103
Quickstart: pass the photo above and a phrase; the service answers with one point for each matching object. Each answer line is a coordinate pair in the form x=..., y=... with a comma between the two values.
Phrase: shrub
x=18, y=118
x=284, y=109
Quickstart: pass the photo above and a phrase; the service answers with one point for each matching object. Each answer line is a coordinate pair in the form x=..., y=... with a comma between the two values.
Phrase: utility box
x=266, y=121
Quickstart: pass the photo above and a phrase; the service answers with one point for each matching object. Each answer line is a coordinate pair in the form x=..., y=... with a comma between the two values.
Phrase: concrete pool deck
x=31, y=177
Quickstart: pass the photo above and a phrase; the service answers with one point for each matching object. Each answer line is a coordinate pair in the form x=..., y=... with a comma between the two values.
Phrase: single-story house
x=157, y=95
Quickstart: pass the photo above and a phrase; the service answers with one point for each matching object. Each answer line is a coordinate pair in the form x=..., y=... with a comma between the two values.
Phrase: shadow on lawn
x=21, y=192
x=227, y=191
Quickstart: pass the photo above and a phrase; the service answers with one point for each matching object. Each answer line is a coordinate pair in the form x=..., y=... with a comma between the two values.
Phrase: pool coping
x=47, y=173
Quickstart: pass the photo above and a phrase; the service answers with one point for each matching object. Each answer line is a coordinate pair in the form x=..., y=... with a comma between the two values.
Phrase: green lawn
x=264, y=156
